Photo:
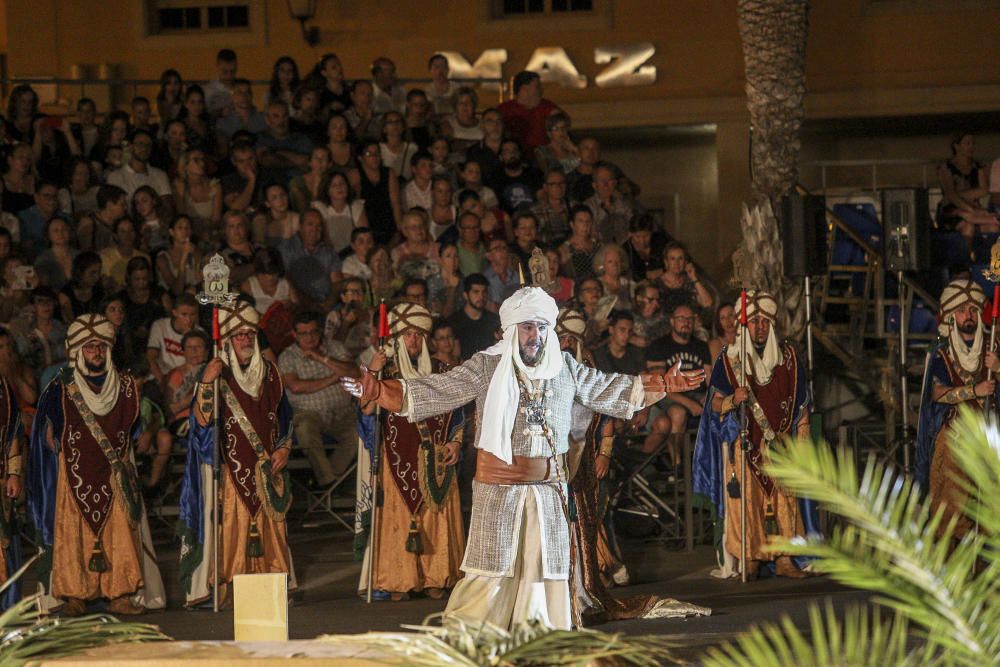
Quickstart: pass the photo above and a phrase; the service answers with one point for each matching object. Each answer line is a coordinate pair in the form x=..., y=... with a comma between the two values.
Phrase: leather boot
x=122, y=606
x=73, y=607
x=784, y=567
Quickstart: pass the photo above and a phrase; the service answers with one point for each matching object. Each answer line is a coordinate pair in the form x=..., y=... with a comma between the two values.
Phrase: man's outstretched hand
x=674, y=381
x=365, y=387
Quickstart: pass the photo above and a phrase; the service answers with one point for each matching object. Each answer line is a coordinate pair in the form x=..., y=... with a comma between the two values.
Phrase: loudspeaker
x=803, y=235
x=906, y=229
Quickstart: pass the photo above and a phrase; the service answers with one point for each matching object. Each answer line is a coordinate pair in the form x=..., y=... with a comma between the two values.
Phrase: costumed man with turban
x=84, y=493
x=959, y=371
x=11, y=474
x=518, y=559
x=775, y=389
x=255, y=441
x=419, y=536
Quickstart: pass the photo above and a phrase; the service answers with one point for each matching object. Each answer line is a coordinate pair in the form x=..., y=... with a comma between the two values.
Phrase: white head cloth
x=85, y=329
x=528, y=304
x=957, y=294
x=571, y=323
x=761, y=366
x=405, y=316
x=232, y=319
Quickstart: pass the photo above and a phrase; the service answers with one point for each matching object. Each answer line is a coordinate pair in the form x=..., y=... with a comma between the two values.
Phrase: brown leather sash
x=523, y=469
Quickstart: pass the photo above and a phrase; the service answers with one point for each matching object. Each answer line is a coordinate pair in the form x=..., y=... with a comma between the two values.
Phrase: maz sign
x=626, y=66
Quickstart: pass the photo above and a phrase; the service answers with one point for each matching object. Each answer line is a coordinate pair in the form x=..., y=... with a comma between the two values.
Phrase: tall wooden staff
x=744, y=438
x=216, y=293
x=373, y=476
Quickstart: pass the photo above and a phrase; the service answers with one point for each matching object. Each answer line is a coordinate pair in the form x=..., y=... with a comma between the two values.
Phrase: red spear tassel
x=216, y=335
x=383, y=321
x=743, y=307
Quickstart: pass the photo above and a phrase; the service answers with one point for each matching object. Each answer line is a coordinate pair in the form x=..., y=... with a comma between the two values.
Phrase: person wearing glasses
x=552, y=210
x=138, y=172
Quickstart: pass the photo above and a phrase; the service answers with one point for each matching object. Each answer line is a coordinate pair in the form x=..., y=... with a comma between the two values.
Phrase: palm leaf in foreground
x=895, y=545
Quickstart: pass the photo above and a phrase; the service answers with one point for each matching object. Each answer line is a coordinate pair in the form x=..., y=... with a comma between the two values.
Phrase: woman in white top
x=196, y=195
x=462, y=127
x=395, y=150
x=441, y=91
x=341, y=212
x=277, y=221
x=268, y=285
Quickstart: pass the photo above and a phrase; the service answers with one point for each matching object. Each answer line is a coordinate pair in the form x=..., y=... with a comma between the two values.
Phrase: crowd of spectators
x=324, y=198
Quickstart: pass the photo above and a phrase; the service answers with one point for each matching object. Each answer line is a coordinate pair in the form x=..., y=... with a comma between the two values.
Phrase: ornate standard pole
x=373, y=479
x=216, y=293
x=744, y=438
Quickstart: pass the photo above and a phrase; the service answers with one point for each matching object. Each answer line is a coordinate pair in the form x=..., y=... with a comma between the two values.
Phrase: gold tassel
x=255, y=548
x=97, y=563
x=414, y=544
x=770, y=520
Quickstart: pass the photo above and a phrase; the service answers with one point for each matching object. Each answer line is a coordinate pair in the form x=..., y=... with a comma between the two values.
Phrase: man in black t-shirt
x=620, y=356
x=678, y=409
x=474, y=326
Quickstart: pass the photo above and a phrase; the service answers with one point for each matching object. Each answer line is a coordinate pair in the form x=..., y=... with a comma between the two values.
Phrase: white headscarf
x=242, y=317
x=761, y=367
x=85, y=329
x=528, y=304
x=958, y=293
x=409, y=316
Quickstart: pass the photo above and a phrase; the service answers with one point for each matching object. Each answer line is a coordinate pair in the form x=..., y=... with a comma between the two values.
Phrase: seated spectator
x=559, y=286
x=83, y=293
x=22, y=110
x=462, y=128
x=679, y=345
x=178, y=267
x=18, y=281
x=85, y=130
x=34, y=221
x=238, y=250
x=576, y=255
x=147, y=213
x=589, y=292
x=342, y=150
x=552, y=210
x=328, y=76
x=196, y=195
x=53, y=146
x=311, y=262
x=219, y=91
x=96, y=230
x=6, y=243
x=124, y=352
x=169, y=98
x=138, y=172
x=307, y=117
x=470, y=179
x=443, y=212
x=142, y=116
x=650, y=320
x=524, y=116
x=494, y=223
x=612, y=212
x=114, y=259
x=54, y=265
x=311, y=369
x=241, y=189
x=444, y=165
x=475, y=326
x=441, y=90
x=388, y=94
x=445, y=286
x=724, y=330
x=380, y=192
x=487, y=151
x=383, y=281
x=560, y=152
x=525, y=237
x=109, y=153
x=471, y=251
x=276, y=222
x=963, y=185
x=20, y=376
x=644, y=248
x=418, y=191
x=347, y=320
x=364, y=120
x=356, y=263
x=501, y=273
x=395, y=149
x=620, y=355
x=442, y=343
x=41, y=335
x=341, y=212
x=244, y=116
x=18, y=192
x=519, y=182
x=308, y=187
x=282, y=153
x=418, y=130
x=268, y=284
x=144, y=302
x=79, y=195
x=415, y=291
x=178, y=393
x=679, y=283
x=418, y=251
x=612, y=270
x=170, y=148
x=164, y=350
x=580, y=181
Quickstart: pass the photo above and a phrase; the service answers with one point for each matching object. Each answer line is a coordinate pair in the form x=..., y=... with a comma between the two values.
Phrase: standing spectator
x=341, y=212
x=165, y=349
x=519, y=182
x=18, y=191
x=395, y=149
x=33, y=221
x=282, y=153
x=501, y=273
x=418, y=191
x=380, y=192
x=169, y=99
x=524, y=116
x=474, y=324
x=612, y=270
x=276, y=222
x=55, y=264
x=362, y=117
x=552, y=210
x=487, y=151
x=219, y=91
x=238, y=250
x=115, y=258
x=441, y=91
x=389, y=95
x=576, y=255
x=79, y=195
x=619, y=355
x=612, y=213
x=240, y=189
x=196, y=195
x=243, y=116
x=178, y=267
x=679, y=283
x=139, y=172
x=311, y=369
x=311, y=262
x=644, y=248
x=329, y=76
x=83, y=293
x=284, y=82
x=96, y=231
x=307, y=188
x=560, y=152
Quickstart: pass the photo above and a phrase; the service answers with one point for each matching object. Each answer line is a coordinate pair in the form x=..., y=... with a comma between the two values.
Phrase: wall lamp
x=303, y=11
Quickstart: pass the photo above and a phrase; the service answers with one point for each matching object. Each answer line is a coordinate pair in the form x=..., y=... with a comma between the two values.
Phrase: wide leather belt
x=522, y=470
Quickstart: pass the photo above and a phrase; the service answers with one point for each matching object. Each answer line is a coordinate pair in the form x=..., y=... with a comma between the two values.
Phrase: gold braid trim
x=957, y=395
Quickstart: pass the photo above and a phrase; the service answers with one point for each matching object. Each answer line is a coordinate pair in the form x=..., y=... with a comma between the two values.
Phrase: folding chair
x=323, y=506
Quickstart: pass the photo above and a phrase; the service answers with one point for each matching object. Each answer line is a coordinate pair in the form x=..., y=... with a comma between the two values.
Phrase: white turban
x=409, y=316
x=957, y=294
x=85, y=329
x=759, y=303
x=528, y=304
x=232, y=319
x=572, y=323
